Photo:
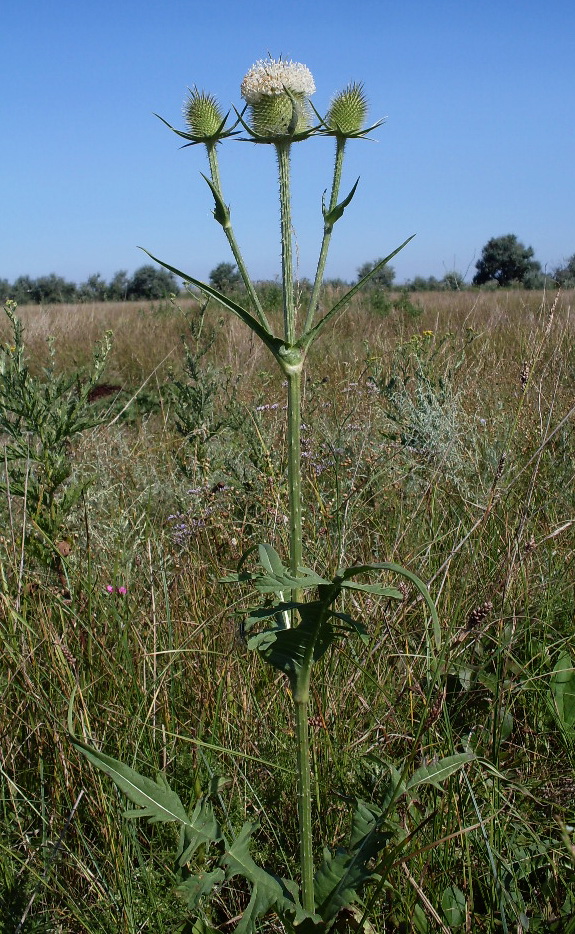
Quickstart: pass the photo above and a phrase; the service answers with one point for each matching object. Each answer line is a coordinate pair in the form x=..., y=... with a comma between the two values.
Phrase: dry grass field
x=440, y=436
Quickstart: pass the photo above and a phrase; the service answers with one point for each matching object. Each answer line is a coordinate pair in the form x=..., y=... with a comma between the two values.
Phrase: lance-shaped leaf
x=330, y=217
x=274, y=344
x=221, y=210
x=276, y=578
x=563, y=689
x=343, y=577
x=221, y=132
x=308, y=338
x=438, y=772
x=268, y=891
x=156, y=801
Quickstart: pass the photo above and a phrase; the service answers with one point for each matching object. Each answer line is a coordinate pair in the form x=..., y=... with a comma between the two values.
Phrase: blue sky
x=479, y=139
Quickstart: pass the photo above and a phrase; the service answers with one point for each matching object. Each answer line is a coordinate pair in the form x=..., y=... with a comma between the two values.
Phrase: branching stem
x=228, y=230
x=327, y=231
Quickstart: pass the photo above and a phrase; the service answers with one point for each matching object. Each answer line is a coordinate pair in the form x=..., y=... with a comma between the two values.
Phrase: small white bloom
x=269, y=78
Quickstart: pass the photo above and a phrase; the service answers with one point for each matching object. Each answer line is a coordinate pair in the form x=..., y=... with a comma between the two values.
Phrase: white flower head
x=270, y=78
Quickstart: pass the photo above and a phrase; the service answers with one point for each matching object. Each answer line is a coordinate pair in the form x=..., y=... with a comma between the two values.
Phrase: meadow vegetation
x=437, y=433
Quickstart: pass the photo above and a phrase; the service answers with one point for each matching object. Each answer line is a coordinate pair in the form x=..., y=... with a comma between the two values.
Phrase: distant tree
x=383, y=279
x=224, y=277
x=22, y=289
x=565, y=275
x=422, y=284
x=5, y=290
x=506, y=260
x=118, y=287
x=51, y=289
x=94, y=289
x=453, y=281
x=148, y=282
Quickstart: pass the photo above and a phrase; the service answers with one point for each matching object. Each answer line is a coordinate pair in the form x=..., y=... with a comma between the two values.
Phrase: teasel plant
x=289, y=630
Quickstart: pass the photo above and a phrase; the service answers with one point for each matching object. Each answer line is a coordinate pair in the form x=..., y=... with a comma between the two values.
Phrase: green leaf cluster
x=40, y=417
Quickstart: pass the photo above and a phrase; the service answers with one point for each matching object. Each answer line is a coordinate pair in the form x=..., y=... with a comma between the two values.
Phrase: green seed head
x=202, y=114
x=348, y=111
x=272, y=116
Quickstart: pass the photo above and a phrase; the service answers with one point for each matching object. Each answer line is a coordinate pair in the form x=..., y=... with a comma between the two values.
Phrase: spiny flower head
x=348, y=110
x=273, y=90
x=203, y=115
x=270, y=78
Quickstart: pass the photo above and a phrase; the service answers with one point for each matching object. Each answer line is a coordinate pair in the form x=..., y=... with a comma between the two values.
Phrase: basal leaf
x=438, y=772
x=153, y=799
x=342, y=875
x=563, y=689
x=202, y=827
x=270, y=560
x=200, y=927
x=195, y=887
x=454, y=906
x=346, y=574
x=268, y=891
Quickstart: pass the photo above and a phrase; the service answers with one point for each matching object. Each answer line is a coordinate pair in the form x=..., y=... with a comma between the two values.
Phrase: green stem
x=228, y=230
x=283, y=154
x=292, y=364
x=294, y=468
x=304, y=801
x=327, y=231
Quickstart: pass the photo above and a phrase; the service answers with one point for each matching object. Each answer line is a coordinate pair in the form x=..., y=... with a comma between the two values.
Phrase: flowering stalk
x=228, y=230
x=327, y=231
x=299, y=632
x=344, y=120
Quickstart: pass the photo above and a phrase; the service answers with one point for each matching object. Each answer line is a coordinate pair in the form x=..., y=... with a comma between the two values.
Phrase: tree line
x=148, y=282
x=504, y=262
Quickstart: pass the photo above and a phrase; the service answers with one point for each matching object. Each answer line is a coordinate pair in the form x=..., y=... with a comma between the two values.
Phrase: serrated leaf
x=268, y=891
x=563, y=689
x=197, y=886
x=201, y=828
x=330, y=217
x=342, y=875
x=157, y=802
x=153, y=799
x=438, y=772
